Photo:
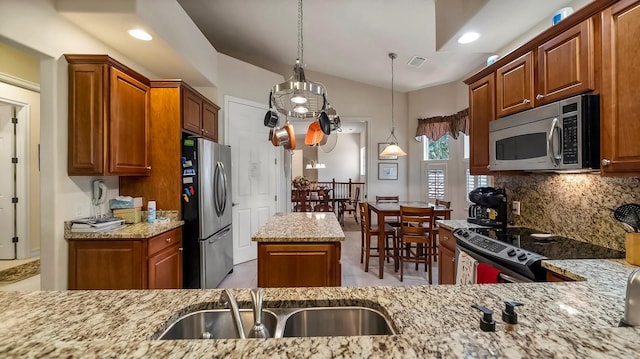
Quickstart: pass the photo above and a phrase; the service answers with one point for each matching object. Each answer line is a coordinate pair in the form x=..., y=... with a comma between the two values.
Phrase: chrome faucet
x=258, y=330
x=229, y=298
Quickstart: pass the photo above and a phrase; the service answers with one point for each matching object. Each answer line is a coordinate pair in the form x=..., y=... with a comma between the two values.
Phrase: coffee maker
x=489, y=208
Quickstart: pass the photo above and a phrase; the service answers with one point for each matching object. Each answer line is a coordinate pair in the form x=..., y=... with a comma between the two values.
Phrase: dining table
x=383, y=210
x=315, y=198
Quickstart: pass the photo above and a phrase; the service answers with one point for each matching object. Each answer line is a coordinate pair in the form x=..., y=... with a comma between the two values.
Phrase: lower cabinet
x=446, y=257
x=299, y=265
x=136, y=263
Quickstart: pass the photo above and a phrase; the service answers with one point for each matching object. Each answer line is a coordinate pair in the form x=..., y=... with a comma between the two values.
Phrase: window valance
x=435, y=127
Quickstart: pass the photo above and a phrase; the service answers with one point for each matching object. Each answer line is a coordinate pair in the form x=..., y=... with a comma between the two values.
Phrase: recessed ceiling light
x=140, y=34
x=468, y=37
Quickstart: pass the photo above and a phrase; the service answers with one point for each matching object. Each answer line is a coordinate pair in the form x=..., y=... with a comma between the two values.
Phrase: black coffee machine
x=489, y=208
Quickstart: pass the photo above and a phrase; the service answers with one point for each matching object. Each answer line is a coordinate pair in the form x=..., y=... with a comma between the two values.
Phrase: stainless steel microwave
x=560, y=136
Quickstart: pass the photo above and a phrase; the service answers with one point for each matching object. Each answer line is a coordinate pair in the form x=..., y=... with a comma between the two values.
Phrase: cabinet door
x=565, y=64
x=165, y=269
x=128, y=125
x=514, y=86
x=87, y=90
x=446, y=266
x=620, y=132
x=481, y=111
x=299, y=265
x=191, y=112
x=108, y=264
x=210, y=121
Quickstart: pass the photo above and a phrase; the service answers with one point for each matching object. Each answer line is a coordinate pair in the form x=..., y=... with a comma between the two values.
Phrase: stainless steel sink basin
x=215, y=324
x=336, y=321
x=282, y=322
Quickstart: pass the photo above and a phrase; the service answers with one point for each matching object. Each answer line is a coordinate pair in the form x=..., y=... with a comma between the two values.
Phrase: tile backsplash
x=578, y=206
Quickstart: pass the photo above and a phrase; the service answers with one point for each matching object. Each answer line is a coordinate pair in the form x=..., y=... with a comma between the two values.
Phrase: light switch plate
x=515, y=208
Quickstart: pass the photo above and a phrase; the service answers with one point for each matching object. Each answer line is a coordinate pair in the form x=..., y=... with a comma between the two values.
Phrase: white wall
x=343, y=163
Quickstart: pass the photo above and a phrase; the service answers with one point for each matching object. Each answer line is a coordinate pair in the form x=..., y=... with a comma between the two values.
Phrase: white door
x=254, y=173
x=6, y=182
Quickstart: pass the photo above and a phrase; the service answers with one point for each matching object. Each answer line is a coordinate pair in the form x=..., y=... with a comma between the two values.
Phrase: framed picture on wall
x=387, y=171
x=381, y=147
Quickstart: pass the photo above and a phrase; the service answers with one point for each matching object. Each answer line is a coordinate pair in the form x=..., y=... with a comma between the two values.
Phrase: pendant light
x=298, y=97
x=392, y=149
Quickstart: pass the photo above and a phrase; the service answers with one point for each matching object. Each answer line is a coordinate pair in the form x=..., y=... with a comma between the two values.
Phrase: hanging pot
x=284, y=137
x=271, y=117
x=314, y=134
x=325, y=123
x=335, y=124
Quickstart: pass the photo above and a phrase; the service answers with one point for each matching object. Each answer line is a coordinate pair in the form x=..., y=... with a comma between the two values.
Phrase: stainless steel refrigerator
x=206, y=210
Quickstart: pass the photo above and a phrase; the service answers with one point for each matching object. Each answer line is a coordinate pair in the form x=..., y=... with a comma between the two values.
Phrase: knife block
x=632, y=246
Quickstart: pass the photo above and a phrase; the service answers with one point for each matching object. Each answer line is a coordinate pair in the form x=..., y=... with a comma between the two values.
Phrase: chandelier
x=298, y=97
x=392, y=149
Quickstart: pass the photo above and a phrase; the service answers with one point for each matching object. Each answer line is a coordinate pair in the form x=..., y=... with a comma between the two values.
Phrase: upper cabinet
x=199, y=116
x=515, y=86
x=108, y=118
x=620, y=124
x=482, y=109
x=566, y=64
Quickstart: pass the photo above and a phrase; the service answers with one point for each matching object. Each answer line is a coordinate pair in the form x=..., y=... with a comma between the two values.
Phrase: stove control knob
x=465, y=234
x=511, y=252
x=522, y=256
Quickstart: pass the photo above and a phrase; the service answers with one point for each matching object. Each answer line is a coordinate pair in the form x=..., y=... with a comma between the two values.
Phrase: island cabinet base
x=299, y=265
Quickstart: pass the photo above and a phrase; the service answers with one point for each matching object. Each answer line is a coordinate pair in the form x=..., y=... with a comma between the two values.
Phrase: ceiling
x=345, y=38
x=351, y=38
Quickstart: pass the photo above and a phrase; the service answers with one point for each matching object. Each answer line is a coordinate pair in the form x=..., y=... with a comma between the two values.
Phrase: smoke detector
x=417, y=61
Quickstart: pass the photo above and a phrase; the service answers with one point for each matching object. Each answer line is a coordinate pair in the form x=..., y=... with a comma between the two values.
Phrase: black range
x=518, y=252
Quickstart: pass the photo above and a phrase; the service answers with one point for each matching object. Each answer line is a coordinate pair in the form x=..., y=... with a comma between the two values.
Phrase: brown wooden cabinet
x=108, y=118
x=514, y=86
x=200, y=116
x=620, y=124
x=446, y=257
x=299, y=265
x=172, y=107
x=135, y=263
x=482, y=110
x=566, y=64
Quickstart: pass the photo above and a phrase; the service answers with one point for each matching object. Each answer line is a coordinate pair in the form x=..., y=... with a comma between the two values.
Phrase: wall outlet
x=515, y=208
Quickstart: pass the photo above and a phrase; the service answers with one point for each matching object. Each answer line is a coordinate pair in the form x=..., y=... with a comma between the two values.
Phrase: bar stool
x=416, y=240
x=369, y=231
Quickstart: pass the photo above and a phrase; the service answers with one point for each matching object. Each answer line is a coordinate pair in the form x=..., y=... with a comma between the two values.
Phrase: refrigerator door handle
x=219, y=235
x=224, y=188
x=216, y=184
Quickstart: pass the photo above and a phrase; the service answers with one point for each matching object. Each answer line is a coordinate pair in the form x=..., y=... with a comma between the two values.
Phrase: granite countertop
x=128, y=231
x=301, y=227
x=452, y=224
x=571, y=319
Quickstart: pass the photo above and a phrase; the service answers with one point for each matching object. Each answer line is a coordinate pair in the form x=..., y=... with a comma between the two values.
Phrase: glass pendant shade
x=392, y=149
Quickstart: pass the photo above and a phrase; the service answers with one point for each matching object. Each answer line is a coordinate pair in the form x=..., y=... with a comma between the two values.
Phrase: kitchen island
x=299, y=250
x=573, y=319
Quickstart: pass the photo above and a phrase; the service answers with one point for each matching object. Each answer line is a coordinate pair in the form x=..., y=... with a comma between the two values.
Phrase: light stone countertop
x=572, y=319
x=128, y=231
x=301, y=227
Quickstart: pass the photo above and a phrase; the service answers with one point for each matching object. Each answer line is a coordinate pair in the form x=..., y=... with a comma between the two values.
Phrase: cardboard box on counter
x=130, y=215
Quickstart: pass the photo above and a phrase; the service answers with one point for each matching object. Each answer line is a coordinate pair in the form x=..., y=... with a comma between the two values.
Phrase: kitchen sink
x=282, y=322
x=336, y=321
x=215, y=324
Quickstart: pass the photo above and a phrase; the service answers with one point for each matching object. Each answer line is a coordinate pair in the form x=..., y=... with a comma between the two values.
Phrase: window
x=436, y=181
x=474, y=182
x=436, y=150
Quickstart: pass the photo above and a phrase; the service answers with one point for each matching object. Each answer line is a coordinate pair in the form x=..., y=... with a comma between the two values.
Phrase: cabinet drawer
x=446, y=239
x=164, y=240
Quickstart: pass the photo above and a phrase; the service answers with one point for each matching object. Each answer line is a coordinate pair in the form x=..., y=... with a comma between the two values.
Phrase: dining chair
x=324, y=204
x=302, y=201
x=393, y=221
x=350, y=206
x=368, y=231
x=416, y=239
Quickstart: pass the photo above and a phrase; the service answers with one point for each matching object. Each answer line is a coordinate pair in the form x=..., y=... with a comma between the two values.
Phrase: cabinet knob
x=488, y=166
x=526, y=101
x=605, y=162
x=453, y=259
x=168, y=240
x=539, y=97
x=149, y=168
x=181, y=249
x=445, y=238
x=202, y=130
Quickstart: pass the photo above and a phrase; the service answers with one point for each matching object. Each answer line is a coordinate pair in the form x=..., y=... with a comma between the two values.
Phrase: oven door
x=506, y=275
